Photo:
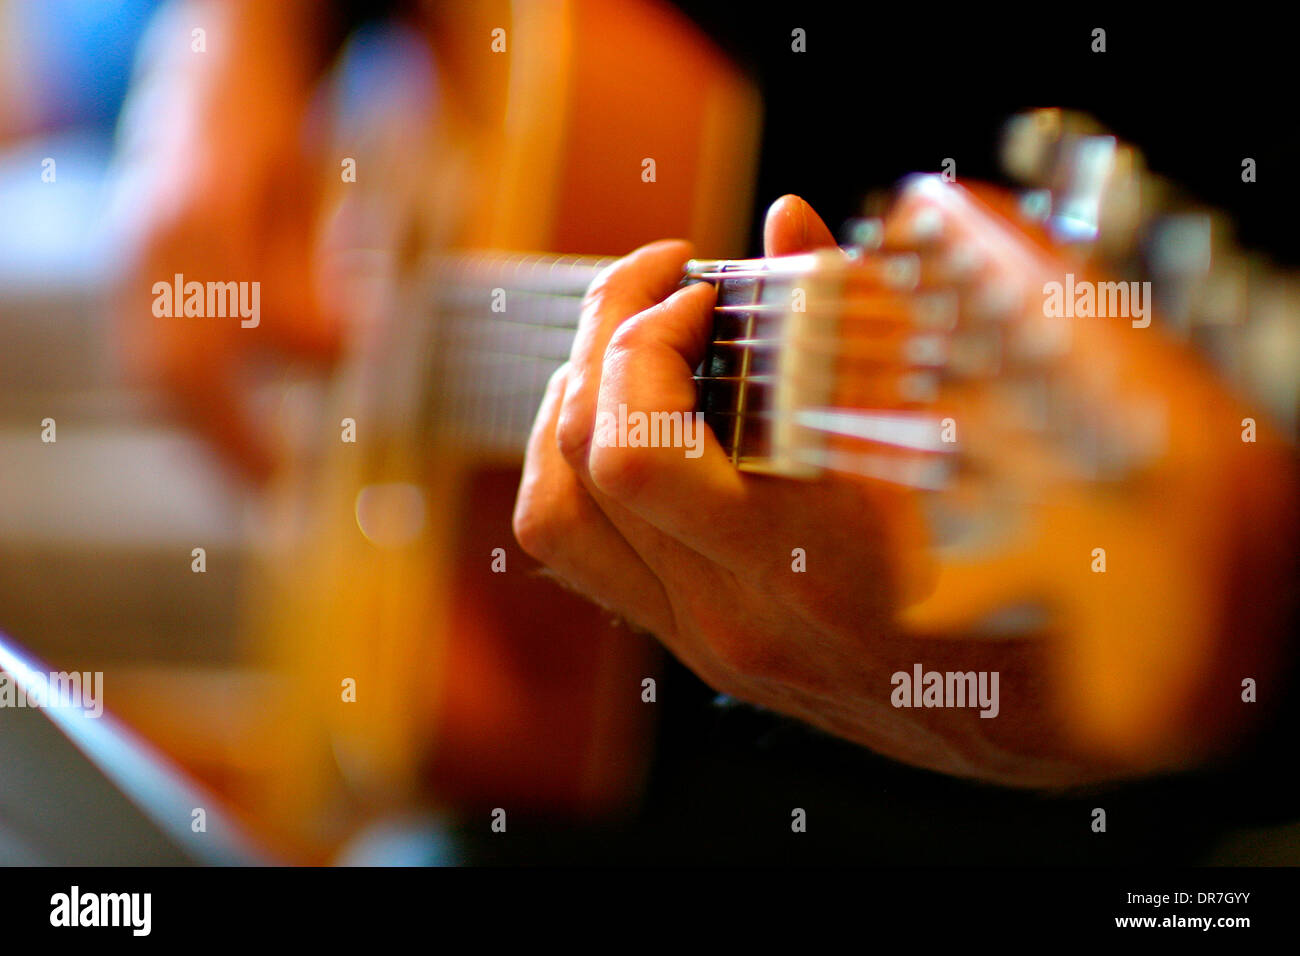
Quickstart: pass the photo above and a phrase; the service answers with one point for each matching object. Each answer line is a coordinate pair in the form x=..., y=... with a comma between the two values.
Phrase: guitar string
x=749, y=311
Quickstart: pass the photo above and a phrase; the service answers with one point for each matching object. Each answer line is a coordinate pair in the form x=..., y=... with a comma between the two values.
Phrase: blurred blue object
x=52, y=235
x=79, y=54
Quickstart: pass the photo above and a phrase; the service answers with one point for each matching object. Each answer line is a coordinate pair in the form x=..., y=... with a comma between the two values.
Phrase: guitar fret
x=763, y=349
x=742, y=393
x=751, y=379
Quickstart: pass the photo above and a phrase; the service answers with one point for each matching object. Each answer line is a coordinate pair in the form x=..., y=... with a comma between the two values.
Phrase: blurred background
x=142, y=138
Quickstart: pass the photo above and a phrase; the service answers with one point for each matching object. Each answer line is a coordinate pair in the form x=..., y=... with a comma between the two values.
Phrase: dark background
x=882, y=92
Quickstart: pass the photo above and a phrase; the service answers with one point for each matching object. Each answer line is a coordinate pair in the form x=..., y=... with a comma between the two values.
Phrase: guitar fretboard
x=505, y=323
x=758, y=367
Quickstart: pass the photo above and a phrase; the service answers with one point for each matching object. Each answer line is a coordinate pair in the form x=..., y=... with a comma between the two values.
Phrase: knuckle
x=598, y=292
x=570, y=435
x=538, y=527
x=573, y=434
x=530, y=531
x=558, y=379
x=620, y=472
x=627, y=338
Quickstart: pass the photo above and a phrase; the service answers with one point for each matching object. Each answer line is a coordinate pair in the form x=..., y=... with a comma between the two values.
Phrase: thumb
x=792, y=227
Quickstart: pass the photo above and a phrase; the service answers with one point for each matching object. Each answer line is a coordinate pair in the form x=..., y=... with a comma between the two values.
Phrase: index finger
x=634, y=283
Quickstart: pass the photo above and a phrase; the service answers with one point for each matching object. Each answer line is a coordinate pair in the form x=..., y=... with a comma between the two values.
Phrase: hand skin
x=229, y=194
x=699, y=554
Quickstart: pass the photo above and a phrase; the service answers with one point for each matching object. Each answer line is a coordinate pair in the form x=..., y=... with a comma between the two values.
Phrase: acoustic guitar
x=1116, y=479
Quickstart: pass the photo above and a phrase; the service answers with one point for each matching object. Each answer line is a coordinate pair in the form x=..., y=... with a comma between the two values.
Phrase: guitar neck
x=506, y=322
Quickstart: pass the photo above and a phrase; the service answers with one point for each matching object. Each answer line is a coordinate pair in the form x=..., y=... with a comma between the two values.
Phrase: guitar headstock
x=1024, y=368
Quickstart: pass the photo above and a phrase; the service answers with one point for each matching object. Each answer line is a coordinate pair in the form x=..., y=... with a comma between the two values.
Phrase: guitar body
x=543, y=704
x=477, y=683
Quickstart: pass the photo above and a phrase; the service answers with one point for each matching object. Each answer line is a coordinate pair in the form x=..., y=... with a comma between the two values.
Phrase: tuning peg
x=863, y=233
x=1028, y=143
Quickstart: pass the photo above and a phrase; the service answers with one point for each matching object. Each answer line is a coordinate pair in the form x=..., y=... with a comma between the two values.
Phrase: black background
x=883, y=91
